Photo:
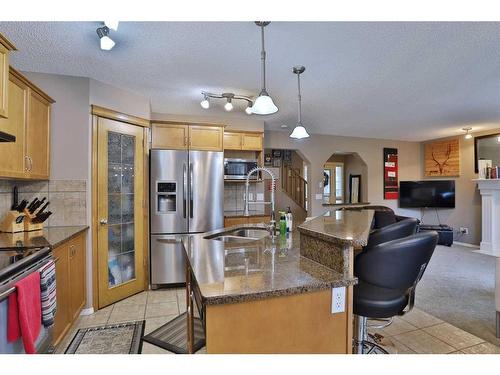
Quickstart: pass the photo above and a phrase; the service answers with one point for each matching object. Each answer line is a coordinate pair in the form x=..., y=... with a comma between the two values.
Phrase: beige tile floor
x=415, y=332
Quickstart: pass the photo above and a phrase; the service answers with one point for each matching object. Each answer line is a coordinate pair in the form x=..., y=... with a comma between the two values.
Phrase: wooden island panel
x=300, y=323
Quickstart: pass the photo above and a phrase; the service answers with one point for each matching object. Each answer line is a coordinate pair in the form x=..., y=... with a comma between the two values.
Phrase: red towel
x=25, y=312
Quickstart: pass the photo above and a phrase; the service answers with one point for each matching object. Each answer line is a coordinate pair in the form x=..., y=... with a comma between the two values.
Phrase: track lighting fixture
x=229, y=96
x=106, y=42
x=467, y=134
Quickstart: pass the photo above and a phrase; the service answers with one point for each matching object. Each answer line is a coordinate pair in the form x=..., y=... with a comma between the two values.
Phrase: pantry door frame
x=101, y=112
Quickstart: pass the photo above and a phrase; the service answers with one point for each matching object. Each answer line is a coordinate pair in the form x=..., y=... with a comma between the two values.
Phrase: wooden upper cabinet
x=232, y=141
x=5, y=47
x=169, y=136
x=29, y=121
x=38, y=137
x=13, y=161
x=251, y=141
x=206, y=138
x=183, y=137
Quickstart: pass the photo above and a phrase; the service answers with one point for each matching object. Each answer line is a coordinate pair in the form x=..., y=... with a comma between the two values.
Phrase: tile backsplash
x=234, y=194
x=68, y=199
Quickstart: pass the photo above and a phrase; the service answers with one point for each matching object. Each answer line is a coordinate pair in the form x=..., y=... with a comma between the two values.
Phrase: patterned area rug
x=119, y=338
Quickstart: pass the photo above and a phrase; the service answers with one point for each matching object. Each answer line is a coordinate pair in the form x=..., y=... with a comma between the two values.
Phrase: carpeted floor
x=458, y=287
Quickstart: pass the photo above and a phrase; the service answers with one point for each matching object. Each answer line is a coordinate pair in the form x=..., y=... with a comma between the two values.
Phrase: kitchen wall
x=467, y=211
x=234, y=193
x=353, y=165
x=71, y=139
x=318, y=148
x=68, y=201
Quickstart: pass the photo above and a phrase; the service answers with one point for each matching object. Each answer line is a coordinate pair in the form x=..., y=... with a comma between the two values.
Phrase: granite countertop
x=240, y=213
x=345, y=226
x=273, y=268
x=50, y=236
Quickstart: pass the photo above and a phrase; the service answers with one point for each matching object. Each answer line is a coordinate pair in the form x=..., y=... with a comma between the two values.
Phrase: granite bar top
x=50, y=236
x=237, y=272
x=341, y=226
x=339, y=205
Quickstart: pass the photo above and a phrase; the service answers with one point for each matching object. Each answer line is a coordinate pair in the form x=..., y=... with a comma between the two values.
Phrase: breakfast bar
x=257, y=293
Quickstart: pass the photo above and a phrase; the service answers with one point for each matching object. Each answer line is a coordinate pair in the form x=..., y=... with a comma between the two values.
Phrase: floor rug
x=118, y=338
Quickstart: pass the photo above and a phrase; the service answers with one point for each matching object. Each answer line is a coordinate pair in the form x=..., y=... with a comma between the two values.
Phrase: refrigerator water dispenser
x=166, y=197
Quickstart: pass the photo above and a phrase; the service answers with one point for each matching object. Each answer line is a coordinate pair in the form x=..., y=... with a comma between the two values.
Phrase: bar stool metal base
x=361, y=345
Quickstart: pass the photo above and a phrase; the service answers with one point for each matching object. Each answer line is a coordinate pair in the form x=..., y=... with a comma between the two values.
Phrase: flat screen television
x=428, y=193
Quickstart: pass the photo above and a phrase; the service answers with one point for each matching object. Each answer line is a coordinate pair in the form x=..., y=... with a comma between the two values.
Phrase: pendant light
x=264, y=104
x=467, y=134
x=299, y=132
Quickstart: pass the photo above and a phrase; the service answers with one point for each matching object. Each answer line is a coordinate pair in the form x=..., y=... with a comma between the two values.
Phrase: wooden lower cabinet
x=70, y=283
x=239, y=220
x=300, y=323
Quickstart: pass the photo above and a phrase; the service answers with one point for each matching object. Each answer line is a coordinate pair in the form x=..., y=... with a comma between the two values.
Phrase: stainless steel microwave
x=237, y=169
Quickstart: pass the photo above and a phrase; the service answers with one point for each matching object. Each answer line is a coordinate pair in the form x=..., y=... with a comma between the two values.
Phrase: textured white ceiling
x=411, y=81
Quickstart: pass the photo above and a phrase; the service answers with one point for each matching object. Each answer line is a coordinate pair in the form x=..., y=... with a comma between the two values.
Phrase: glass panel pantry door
x=120, y=154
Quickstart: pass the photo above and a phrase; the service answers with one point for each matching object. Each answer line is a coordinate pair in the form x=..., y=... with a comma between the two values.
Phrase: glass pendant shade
x=264, y=105
x=299, y=132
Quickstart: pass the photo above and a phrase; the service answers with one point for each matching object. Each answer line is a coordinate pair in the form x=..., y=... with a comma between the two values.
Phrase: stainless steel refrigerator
x=186, y=196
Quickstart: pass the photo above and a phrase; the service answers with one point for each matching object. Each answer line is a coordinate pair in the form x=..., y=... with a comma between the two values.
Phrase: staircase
x=294, y=185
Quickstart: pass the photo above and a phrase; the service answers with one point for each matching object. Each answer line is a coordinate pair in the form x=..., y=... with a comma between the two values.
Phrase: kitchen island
x=258, y=294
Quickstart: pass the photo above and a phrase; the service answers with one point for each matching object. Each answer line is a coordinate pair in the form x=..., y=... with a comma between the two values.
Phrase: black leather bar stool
x=399, y=229
x=388, y=275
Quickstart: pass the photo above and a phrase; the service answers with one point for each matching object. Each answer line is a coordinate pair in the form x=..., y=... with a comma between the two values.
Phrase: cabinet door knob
x=103, y=221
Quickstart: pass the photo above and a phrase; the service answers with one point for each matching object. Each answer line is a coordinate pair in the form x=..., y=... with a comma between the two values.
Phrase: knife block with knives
x=25, y=216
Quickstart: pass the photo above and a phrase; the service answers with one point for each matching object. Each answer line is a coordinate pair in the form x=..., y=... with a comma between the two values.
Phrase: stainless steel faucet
x=272, y=222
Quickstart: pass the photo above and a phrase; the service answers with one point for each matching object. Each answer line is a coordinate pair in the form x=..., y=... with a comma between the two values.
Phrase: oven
x=237, y=169
x=16, y=264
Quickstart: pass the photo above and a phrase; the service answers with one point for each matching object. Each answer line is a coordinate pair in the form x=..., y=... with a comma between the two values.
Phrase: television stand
x=444, y=231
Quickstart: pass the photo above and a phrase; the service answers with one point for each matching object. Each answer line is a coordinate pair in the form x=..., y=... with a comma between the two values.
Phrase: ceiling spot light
x=467, y=134
x=113, y=25
x=205, y=104
x=264, y=104
x=228, y=106
x=299, y=132
x=248, y=109
x=106, y=42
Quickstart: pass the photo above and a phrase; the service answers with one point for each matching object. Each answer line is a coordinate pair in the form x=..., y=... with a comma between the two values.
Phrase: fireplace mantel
x=490, y=231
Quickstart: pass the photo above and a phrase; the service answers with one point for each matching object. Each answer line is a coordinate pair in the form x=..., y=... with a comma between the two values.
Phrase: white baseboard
x=87, y=311
x=466, y=244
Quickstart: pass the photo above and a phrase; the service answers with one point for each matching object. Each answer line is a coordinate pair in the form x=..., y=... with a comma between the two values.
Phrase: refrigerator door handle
x=191, y=190
x=184, y=188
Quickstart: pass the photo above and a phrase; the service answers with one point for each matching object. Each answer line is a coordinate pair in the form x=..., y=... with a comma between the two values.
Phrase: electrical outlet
x=260, y=197
x=319, y=197
x=464, y=230
x=250, y=197
x=338, y=300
